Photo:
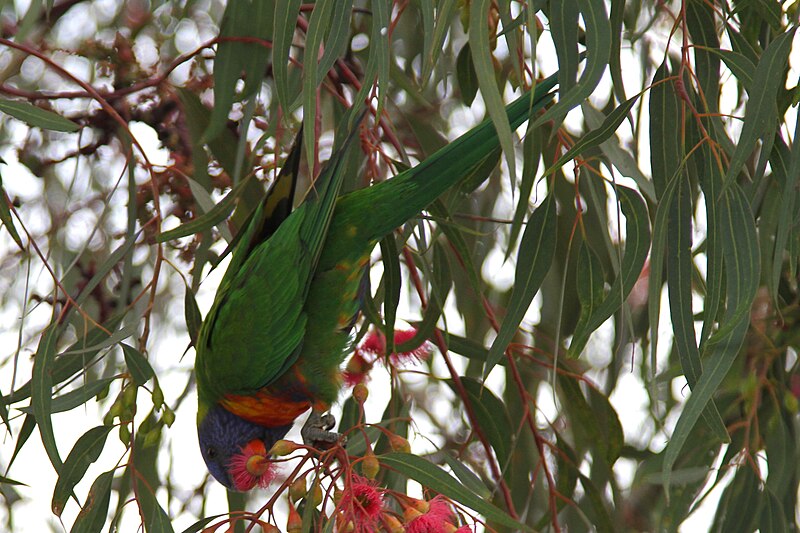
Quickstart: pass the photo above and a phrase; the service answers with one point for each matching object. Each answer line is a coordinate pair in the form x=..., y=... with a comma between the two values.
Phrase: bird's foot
x=317, y=432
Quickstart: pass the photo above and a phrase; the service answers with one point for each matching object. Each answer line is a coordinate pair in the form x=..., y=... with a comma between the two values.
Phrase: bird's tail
x=411, y=191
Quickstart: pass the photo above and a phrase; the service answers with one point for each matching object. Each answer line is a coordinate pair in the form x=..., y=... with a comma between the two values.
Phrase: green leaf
x=596, y=424
x=379, y=41
x=93, y=515
x=739, y=504
x=156, y=520
x=469, y=348
x=244, y=18
x=202, y=523
x=742, y=267
x=484, y=70
x=596, y=136
x=666, y=150
x=598, y=47
x=24, y=434
x=392, y=282
x=5, y=214
x=38, y=117
x=426, y=9
x=41, y=391
x=739, y=65
x=74, y=358
x=85, y=452
x=761, y=110
x=679, y=284
x=703, y=32
x=788, y=203
x=536, y=251
x=590, y=283
x=491, y=416
x=357, y=443
x=317, y=26
x=467, y=78
x=601, y=519
x=138, y=365
x=8, y=481
x=564, y=30
x=616, y=19
x=619, y=157
x=444, y=15
x=192, y=315
x=772, y=517
x=531, y=153
x=236, y=504
x=286, y=12
x=637, y=245
x=742, y=262
x=209, y=219
x=337, y=37
x=429, y=475
x=74, y=398
x=467, y=477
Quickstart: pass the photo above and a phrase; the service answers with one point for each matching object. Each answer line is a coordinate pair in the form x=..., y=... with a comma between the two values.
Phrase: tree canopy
x=597, y=330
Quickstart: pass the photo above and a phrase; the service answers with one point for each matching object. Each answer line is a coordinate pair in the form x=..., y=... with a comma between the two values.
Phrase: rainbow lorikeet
x=272, y=344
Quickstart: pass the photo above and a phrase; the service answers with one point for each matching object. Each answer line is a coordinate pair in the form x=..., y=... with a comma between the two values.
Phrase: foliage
x=604, y=316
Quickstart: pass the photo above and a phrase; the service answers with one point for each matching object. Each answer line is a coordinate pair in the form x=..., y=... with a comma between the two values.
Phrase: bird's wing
x=256, y=326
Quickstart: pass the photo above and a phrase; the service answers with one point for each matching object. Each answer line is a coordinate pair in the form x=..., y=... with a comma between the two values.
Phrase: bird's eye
x=211, y=452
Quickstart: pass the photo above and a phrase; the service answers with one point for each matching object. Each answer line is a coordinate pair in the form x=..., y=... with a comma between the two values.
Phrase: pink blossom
x=357, y=370
x=435, y=520
x=251, y=467
x=362, y=503
x=374, y=345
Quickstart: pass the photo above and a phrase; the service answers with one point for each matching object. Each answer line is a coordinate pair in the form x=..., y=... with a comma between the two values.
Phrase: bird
x=272, y=344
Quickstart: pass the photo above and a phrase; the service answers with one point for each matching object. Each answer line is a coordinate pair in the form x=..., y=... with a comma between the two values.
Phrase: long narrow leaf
x=536, y=251
x=431, y=476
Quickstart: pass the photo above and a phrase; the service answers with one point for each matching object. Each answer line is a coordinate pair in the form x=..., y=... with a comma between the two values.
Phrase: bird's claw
x=317, y=432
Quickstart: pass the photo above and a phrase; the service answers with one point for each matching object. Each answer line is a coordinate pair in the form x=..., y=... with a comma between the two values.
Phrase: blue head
x=235, y=450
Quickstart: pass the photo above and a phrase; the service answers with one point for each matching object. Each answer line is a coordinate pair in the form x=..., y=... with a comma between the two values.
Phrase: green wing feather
x=256, y=325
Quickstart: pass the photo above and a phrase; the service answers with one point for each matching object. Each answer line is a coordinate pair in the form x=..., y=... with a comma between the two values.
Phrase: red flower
x=362, y=503
x=463, y=529
x=357, y=370
x=434, y=520
x=375, y=345
x=251, y=467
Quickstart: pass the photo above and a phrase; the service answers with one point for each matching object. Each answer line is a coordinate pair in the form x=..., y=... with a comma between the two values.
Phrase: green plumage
x=285, y=304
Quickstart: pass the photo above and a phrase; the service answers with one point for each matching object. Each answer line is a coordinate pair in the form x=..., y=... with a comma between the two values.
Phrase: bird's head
x=236, y=451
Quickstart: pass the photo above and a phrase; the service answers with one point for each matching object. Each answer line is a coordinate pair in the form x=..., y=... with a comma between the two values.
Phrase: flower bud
x=157, y=396
x=124, y=434
x=168, y=417
x=153, y=436
x=370, y=466
x=297, y=489
x=283, y=447
x=410, y=514
x=399, y=444
x=315, y=494
x=422, y=506
x=295, y=522
x=393, y=524
x=360, y=393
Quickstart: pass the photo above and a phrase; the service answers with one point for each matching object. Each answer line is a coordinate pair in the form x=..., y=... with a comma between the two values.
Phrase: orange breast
x=264, y=409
